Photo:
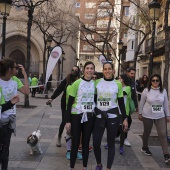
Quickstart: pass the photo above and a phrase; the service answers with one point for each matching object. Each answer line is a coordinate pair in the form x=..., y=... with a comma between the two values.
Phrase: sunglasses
x=94, y=77
x=74, y=70
x=155, y=80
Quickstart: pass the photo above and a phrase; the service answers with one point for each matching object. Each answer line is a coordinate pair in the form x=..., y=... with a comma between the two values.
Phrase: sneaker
x=99, y=167
x=117, y=139
x=146, y=151
x=126, y=142
x=106, y=146
x=79, y=156
x=121, y=150
x=167, y=158
x=68, y=155
x=58, y=142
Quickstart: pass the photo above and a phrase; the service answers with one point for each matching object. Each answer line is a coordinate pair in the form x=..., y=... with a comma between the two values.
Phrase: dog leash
x=40, y=121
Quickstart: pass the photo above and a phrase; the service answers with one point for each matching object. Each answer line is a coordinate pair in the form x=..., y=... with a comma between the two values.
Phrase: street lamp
x=120, y=46
x=154, y=10
x=5, y=6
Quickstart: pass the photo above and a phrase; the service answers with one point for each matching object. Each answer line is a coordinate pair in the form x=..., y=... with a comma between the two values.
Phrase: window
x=87, y=57
x=126, y=10
x=90, y=5
x=89, y=16
x=77, y=4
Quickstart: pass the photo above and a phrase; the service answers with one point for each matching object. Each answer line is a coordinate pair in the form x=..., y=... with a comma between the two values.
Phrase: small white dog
x=34, y=142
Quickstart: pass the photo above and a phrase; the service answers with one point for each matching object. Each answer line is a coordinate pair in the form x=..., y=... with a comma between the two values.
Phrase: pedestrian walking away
x=9, y=84
x=79, y=114
x=154, y=109
x=109, y=92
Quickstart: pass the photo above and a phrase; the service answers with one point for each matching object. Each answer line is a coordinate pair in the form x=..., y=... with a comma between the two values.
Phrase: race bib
x=87, y=106
x=104, y=103
x=157, y=108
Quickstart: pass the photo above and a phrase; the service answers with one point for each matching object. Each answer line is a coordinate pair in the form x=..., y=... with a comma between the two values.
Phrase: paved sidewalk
x=53, y=157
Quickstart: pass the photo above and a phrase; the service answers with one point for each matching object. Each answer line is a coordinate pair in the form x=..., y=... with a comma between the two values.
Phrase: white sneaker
x=58, y=142
x=126, y=142
x=117, y=139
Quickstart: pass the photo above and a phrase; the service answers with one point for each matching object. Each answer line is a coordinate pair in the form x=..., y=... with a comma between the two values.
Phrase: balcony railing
x=159, y=41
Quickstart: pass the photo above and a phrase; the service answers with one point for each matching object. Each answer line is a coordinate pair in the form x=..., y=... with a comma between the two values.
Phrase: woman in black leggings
x=109, y=93
x=79, y=114
x=62, y=88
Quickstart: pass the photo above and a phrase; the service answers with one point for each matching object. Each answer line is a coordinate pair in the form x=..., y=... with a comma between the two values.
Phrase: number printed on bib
x=87, y=106
x=157, y=108
x=104, y=103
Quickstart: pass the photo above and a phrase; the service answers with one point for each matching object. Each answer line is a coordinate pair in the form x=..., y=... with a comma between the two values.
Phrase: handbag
x=132, y=107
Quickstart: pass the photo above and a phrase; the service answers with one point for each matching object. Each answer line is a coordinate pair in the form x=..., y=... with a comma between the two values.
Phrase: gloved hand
x=12, y=118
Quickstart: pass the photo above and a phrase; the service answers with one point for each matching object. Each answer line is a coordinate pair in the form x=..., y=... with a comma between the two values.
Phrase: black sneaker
x=146, y=151
x=167, y=158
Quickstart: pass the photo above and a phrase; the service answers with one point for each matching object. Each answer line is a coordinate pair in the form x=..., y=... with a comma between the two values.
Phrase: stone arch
x=19, y=57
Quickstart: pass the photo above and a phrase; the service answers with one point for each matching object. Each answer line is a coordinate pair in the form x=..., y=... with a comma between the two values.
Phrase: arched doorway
x=19, y=57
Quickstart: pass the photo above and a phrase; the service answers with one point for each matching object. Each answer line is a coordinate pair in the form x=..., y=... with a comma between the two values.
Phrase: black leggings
x=111, y=124
x=5, y=137
x=62, y=125
x=76, y=129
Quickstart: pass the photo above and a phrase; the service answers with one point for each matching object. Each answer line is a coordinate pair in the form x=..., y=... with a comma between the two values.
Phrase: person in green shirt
x=34, y=83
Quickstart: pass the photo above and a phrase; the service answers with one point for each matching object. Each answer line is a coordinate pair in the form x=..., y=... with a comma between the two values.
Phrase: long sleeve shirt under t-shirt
x=154, y=104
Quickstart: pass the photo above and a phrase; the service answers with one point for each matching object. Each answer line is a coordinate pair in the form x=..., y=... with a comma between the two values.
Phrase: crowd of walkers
x=90, y=105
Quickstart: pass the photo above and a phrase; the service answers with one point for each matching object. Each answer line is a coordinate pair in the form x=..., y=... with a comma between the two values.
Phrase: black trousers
x=62, y=124
x=78, y=128
x=5, y=138
x=111, y=125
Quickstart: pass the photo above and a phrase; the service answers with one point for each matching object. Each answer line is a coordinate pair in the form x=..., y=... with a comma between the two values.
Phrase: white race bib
x=157, y=108
x=104, y=103
x=87, y=106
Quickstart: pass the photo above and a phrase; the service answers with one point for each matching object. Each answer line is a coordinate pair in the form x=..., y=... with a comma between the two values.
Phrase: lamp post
x=120, y=46
x=154, y=10
x=49, y=40
x=5, y=6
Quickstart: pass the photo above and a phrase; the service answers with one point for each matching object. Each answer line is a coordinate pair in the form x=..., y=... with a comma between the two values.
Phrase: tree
x=30, y=5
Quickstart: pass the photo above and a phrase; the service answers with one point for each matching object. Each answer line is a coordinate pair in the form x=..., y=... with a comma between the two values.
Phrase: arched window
x=19, y=57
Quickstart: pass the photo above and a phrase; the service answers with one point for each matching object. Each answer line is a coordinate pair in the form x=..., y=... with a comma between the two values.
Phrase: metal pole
x=152, y=48
x=3, y=36
x=46, y=90
x=119, y=64
x=62, y=69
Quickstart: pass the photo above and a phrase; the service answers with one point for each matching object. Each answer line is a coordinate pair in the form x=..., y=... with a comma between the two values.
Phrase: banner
x=102, y=59
x=52, y=61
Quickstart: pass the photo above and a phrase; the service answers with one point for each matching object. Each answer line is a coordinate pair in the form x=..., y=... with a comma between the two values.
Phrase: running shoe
x=121, y=150
x=79, y=156
x=167, y=158
x=106, y=146
x=68, y=155
x=58, y=144
x=127, y=143
x=146, y=151
x=99, y=167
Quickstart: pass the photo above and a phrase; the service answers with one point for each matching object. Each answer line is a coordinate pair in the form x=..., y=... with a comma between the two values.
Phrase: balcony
x=159, y=42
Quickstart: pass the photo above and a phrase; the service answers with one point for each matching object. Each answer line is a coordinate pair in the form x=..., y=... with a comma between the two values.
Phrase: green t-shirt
x=34, y=81
x=127, y=98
